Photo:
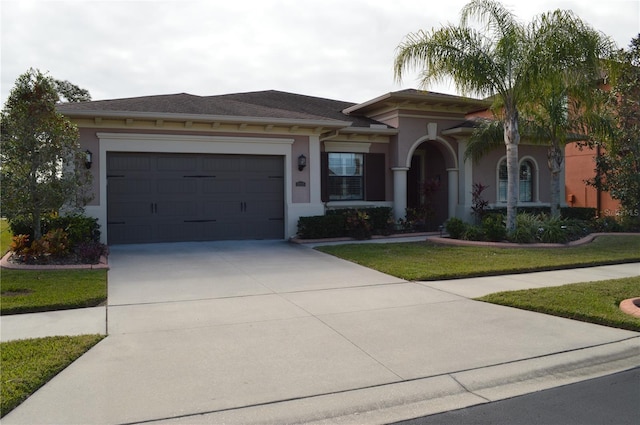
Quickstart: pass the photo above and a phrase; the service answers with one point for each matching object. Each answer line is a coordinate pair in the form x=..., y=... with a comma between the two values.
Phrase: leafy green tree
x=502, y=59
x=43, y=167
x=618, y=166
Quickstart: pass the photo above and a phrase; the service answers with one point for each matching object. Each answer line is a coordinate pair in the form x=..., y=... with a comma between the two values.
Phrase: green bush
x=494, y=227
x=79, y=228
x=321, y=226
x=553, y=230
x=474, y=233
x=606, y=224
x=578, y=213
x=359, y=223
x=379, y=218
x=456, y=227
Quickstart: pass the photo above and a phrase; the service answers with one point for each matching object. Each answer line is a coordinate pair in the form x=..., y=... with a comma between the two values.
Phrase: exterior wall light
x=302, y=162
x=88, y=160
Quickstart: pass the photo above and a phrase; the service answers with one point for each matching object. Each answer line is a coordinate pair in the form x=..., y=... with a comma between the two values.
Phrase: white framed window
x=526, y=180
x=345, y=179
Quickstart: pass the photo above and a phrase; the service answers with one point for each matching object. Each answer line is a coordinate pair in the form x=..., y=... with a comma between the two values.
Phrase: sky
x=337, y=49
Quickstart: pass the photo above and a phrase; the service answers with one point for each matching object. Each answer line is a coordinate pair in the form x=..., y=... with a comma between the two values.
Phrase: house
x=580, y=166
x=246, y=166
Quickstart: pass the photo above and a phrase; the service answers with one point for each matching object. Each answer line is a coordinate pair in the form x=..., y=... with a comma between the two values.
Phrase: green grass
x=29, y=363
x=428, y=261
x=594, y=302
x=29, y=291
x=5, y=236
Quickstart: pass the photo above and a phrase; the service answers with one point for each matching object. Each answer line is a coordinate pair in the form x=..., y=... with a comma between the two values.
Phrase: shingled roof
x=260, y=104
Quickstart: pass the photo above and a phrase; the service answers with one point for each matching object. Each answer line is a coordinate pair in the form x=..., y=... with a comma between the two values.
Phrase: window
x=525, y=181
x=346, y=176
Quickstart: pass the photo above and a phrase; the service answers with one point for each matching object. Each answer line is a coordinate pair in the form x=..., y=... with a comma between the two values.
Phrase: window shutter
x=324, y=173
x=374, y=175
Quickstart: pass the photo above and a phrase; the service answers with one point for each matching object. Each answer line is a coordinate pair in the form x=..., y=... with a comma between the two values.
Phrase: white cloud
x=339, y=49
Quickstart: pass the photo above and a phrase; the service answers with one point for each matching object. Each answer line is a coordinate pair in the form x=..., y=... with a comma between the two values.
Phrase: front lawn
x=429, y=261
x=30, y=363
x=5, y=236
x=30, y=291
x=594, y=302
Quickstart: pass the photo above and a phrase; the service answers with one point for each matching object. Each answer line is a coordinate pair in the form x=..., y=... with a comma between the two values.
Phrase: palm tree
x=566, y=106
x=502, y=59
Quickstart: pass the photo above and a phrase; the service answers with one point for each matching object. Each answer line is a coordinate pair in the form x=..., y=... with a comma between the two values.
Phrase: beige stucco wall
x=485, y=172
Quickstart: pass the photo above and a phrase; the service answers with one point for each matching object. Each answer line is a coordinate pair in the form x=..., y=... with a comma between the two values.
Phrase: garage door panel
x=264, y=186
x=222, y=164
x=270, y=165
x=134, y=187
x=177, y=163
x=221, y=186
x=265, y=209
x=131, y=162
x=177, y=186
x=131, y=209
x=178, y=209
x=156, y=197
x=131, y=233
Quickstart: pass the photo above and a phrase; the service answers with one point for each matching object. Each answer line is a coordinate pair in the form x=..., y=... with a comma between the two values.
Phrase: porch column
x=399, y=192
x=452, y=174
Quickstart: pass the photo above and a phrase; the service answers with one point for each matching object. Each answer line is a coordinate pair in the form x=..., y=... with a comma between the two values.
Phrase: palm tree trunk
x=555, y=158
x=511, y=141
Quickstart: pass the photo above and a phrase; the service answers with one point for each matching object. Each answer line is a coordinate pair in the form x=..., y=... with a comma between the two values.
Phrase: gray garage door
x=154, y=197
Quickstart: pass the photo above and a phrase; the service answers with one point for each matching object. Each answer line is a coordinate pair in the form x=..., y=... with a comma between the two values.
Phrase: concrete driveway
x=269, y=332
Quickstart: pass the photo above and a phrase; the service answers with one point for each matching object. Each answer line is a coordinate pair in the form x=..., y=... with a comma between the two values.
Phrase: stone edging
x=6, y=264
x=434, y=237
x=631, y=306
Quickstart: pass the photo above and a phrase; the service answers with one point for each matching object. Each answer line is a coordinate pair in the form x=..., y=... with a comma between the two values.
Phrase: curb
x=435, y=238
x=405, y=400
x=631, y=306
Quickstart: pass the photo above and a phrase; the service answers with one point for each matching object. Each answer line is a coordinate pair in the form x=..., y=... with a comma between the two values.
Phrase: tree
x=503, y=59
x=618, y=165
x=43, y=167
x=567, y=105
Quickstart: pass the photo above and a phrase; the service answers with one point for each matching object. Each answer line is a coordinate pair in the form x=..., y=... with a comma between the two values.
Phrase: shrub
x=527, y=226
x=494, y=227
x=606, y=224
x=578, y=213
x=89, y=252
x=78, y=227
x=55, y=243
x=20, y=243
x=358, y=225
x=474, y=233
x=321, y=226
x=631, y=223
x=479, y=205
x=555, y=230
x=455, y=227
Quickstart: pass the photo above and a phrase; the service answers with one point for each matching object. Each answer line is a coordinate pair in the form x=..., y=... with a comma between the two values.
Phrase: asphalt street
x=613, y=399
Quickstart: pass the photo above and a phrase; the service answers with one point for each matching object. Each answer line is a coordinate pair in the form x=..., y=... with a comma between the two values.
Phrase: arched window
x=526, y=180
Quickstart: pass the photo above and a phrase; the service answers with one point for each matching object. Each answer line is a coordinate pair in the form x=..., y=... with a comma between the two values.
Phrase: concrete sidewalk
x=273, y=333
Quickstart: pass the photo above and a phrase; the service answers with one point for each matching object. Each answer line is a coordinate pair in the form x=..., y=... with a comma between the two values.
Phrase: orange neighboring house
x=579, y=167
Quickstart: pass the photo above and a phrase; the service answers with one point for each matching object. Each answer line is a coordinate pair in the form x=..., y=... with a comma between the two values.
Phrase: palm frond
x=487, y=136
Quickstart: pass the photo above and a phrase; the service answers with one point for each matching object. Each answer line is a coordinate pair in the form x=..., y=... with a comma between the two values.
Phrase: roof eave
x=206, y=118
